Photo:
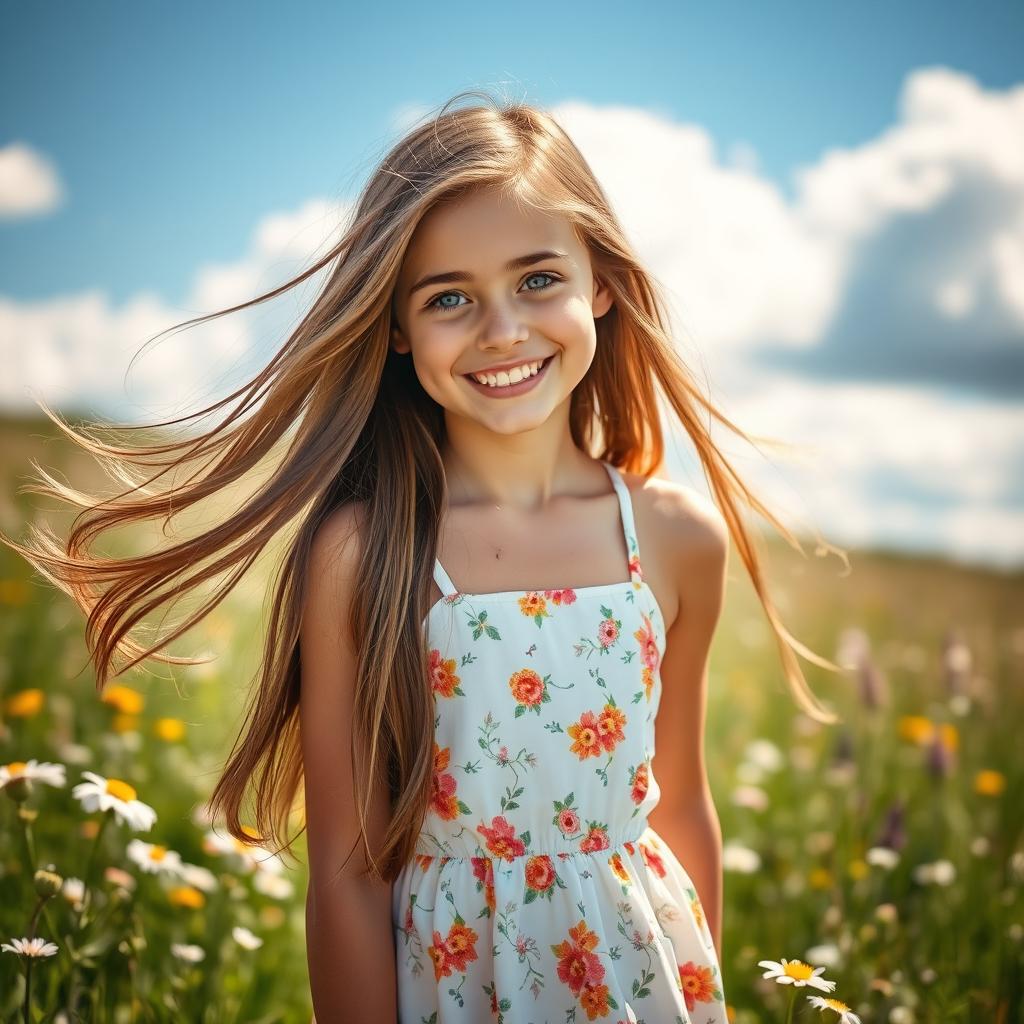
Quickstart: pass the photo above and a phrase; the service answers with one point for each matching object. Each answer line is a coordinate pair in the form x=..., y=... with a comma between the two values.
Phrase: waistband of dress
x=615, y=842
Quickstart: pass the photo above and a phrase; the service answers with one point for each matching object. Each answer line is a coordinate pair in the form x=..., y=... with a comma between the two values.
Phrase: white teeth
x=505, y=377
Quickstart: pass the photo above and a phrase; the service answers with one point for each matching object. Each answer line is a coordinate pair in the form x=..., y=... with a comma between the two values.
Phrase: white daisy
x=200, y=877
x=796, y=972
x=113, y=794
x=740, y=858
x=34, y=771
x=846, y=1015
x=188, y=953
x=245, y=938
x=273, y=885
x=153, y=858
x=29, y=947
x=214, y=842
x=882, y=857
x=73, y=891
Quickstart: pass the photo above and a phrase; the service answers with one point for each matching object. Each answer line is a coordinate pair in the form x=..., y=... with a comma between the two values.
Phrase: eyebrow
x=462, y=275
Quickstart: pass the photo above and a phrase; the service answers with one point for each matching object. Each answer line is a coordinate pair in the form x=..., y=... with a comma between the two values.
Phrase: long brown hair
x=357, y=426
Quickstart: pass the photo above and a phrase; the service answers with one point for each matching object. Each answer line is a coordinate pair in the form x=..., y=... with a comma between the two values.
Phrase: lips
x=508, y=369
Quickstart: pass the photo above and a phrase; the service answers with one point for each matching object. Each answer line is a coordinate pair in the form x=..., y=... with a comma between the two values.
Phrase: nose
x=502, y=329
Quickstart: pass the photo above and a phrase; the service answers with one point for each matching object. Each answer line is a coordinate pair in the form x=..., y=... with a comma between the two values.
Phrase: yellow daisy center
x=837, y=1004
x=115, y=787
x=17, y=767
x=798, y=969
x=158, y=853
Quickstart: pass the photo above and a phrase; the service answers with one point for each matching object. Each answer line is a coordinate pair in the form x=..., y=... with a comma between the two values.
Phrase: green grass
x=945, y=953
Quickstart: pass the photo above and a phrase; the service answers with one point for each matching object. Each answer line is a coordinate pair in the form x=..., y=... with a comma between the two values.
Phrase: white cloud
x=29, y=182
x=74, y=350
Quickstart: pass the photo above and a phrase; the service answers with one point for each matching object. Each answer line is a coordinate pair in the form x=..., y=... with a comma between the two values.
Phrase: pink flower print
x=501, y=839
x=608, y=632
x=650, y=656
x=569, y=822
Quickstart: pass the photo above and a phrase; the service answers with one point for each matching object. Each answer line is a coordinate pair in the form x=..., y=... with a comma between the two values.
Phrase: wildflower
x=763, y=753
x=846, y=1015
x=827, y=955
x=988, y=782
x=186, y=896
x=752, y=797
x=117, y=796
x=25, y=703
x=29, y=947
x=245, y=938
x=170, y=730
x=124, y=699
x=189, y=953
x=199, y=877
x=736, y=857
x=956, y=662
x=797, y=973
x=73, y=891
x=916, y=729
x=882, y=857
x=154, y=859
x=941, y=872
x=47, y=882
x=32, y=771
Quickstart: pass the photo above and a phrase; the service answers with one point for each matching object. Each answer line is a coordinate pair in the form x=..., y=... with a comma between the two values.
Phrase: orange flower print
x=615, y=860
x=697, y=909
x=609, y=726
x=629, y=848
x=577, y=965
x=639, y=781
x=634, y=566
x=502, y=840
x=424, y=860
x=443, y=679
x=698, y=984
x=454, y=952
x=585, y=736
x=443, y=801
x=560, y=596
x=594, y=999
x=652, y=860
x=647, y=678
x=534, y=606
x=596, y=838
x=528, y=690
x=540, y=878
x=483, y=871
x=645, y=636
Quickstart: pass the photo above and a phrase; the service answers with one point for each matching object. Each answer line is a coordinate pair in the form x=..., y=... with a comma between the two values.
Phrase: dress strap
x=443, y=580
x=628, y=522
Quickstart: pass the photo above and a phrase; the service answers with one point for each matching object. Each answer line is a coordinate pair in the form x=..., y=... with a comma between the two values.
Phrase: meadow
x=884, y=854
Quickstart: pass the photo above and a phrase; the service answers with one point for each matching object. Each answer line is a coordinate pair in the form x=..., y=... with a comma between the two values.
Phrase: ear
x=602, y=299
x=398, y=340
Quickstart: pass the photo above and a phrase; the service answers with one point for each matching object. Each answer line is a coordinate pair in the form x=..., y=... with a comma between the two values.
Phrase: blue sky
x=151, y=153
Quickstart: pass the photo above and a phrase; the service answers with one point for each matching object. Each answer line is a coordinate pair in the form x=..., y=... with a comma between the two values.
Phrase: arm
x=685, y=816
x=349, y=938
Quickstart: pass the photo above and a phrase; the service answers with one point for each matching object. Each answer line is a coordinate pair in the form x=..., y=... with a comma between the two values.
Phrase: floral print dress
x=539, y=893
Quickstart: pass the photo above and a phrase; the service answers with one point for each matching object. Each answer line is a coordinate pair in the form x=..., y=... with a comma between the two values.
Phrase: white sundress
x=539, y=894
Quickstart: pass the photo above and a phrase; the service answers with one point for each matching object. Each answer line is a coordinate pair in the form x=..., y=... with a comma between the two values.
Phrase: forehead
x=481, y=231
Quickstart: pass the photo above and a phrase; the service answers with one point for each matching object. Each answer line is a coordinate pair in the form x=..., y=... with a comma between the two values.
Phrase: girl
x=492, y=611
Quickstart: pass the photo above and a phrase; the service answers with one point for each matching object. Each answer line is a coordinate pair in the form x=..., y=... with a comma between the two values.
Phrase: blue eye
x=435, y=303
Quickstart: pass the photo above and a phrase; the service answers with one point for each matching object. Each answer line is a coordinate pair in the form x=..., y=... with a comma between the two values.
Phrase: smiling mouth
x=472, y=377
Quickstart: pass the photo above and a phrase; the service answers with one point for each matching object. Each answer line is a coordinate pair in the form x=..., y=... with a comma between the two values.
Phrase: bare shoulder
x=686, y=539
